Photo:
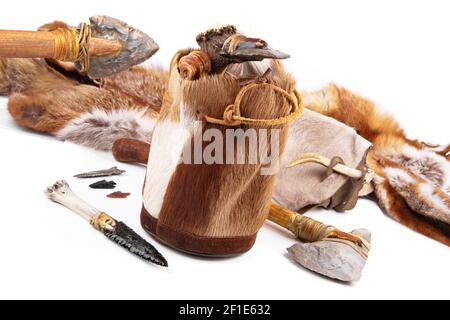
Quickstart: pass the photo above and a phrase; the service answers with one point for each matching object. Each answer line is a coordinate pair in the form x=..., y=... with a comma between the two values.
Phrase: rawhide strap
x=232, y=115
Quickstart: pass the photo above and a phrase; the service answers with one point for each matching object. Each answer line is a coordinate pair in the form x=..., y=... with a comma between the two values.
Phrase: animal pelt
x=46, y=100
x=412, y=183
x=413, y=178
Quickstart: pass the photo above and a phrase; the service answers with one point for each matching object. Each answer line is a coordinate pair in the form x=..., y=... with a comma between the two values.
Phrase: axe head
x=136, y=47
x=332, y=259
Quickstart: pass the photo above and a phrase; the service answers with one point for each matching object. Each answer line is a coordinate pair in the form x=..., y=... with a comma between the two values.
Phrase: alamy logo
x=234, y=146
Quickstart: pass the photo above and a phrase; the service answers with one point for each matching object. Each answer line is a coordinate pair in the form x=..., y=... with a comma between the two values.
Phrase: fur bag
x=211, y=208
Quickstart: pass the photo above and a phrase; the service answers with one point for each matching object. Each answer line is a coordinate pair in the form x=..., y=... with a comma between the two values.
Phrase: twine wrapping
x=308, y=229
x=83, y=55
x=71, y=45
x=66, y=44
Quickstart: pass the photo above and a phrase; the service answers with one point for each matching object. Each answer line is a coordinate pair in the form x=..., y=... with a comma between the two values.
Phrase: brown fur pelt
x=413, y=178
x=45, y=100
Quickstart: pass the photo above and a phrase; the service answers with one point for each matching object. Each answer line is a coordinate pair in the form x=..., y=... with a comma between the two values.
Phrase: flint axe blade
x=116, y=231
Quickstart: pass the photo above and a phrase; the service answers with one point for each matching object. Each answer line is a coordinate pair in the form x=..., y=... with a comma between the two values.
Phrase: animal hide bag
x=309, y=185
x=210, y=208
x=412, y=182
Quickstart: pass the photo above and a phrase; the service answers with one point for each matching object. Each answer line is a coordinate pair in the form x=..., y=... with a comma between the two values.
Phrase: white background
x=396, y=53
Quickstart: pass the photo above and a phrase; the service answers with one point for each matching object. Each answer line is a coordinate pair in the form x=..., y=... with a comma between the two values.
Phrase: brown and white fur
x=57, y=102
x=208, y=209
x=413, y=178
x=412, y=183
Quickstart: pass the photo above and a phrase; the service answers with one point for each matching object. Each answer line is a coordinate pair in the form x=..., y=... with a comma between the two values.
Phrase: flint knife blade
x=114, y=230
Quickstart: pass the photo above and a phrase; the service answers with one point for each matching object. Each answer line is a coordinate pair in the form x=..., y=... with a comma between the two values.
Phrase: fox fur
x=413, y=178
x=412, y=183
x=45, y=100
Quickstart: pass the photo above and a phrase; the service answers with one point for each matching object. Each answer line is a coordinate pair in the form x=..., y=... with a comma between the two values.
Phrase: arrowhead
x=137, y=46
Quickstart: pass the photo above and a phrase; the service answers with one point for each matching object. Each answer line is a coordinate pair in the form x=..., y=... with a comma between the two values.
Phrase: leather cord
x=232, y=116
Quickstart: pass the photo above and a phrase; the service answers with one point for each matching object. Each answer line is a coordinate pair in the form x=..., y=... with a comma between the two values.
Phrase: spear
x=99, y=49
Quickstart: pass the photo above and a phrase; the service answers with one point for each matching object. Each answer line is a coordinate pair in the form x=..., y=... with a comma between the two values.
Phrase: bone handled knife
x=114, y=230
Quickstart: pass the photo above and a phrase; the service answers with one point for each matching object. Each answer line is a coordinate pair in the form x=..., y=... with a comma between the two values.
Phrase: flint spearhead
x=137, y=47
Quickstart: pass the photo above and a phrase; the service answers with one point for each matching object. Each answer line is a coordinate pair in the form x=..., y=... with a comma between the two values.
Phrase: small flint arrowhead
x=130, y=240
x=114, y=171
x=103, y=184
x=332, y=259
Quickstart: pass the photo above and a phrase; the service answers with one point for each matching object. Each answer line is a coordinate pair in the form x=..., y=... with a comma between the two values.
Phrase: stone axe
x=324, y=248
x=105, y=47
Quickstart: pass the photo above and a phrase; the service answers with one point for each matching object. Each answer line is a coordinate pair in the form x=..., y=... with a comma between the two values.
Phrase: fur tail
x=355, y=111
x=413, y=178
x=99, y=129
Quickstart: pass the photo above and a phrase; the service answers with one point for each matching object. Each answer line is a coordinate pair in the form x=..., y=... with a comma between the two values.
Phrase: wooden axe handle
x=41, y=44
